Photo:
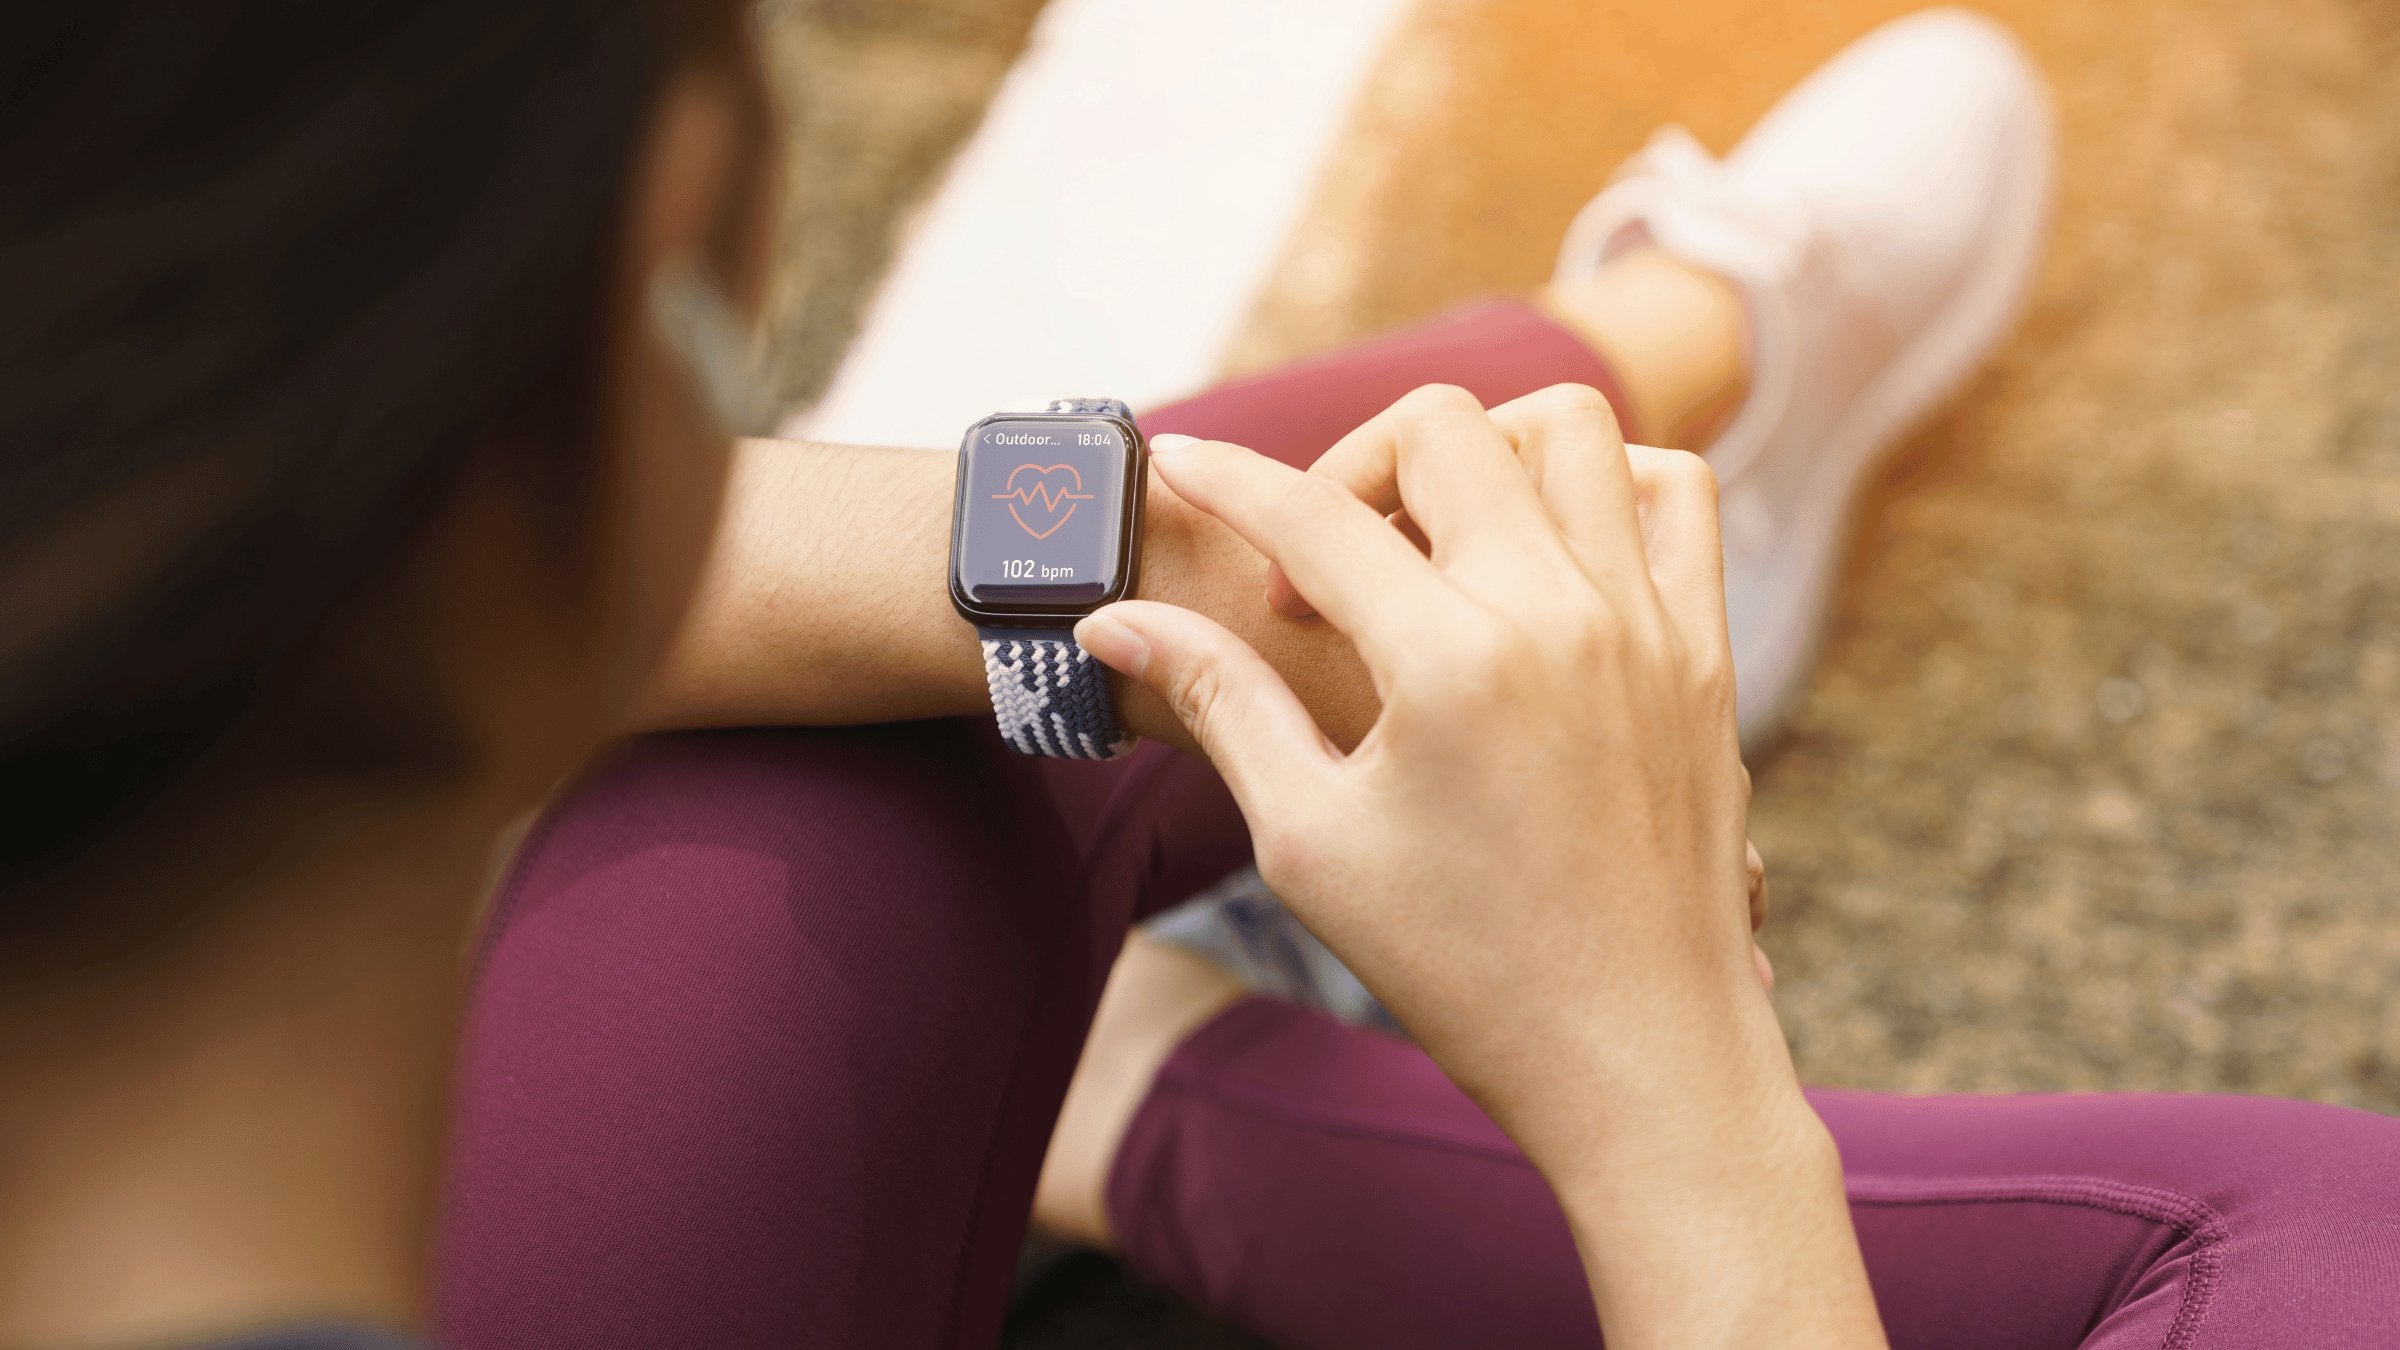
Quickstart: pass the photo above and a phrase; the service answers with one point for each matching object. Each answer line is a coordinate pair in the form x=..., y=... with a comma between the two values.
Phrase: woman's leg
x=1496, y=349
x=769, y=1030
x=1327, y=1187
x=1666, y=341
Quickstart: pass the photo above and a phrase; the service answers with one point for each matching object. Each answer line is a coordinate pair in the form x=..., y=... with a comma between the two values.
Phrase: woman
x=355, y=494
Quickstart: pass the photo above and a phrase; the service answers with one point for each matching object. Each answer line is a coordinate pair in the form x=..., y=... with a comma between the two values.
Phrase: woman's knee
x=661, y=1079
x=2302, y=1238
x=918, y=799
x=2107, y=1220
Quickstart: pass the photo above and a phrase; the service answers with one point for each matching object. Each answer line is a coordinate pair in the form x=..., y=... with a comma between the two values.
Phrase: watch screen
x=1041, y=513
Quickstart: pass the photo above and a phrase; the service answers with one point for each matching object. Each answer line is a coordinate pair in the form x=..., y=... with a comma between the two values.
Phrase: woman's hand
x=1542, y=836
x=1537, y=855
x=1369, y=468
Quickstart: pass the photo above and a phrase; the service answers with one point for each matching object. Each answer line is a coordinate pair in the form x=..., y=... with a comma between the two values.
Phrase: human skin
x=826, y=602
x=1556, y=661
x=240, y=1125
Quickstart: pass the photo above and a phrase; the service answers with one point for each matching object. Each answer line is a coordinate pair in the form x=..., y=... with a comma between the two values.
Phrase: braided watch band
x=1096, y=407
x=1050, y=695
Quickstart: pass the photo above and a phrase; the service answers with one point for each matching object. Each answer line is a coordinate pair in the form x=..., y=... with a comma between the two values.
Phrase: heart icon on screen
x=1042, y=497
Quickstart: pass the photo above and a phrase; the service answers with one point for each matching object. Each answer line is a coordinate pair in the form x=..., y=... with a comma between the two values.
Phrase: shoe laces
x=1756, y=230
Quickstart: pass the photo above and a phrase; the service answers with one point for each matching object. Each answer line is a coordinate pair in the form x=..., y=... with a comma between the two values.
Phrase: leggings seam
x=2201, y=1227
x=1125, y=797
x=962, y=1263
x=1057, y=961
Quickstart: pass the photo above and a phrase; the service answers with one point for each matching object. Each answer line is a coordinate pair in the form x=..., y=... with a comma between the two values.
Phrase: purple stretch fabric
x=770, y=1027
x=1327, y=1187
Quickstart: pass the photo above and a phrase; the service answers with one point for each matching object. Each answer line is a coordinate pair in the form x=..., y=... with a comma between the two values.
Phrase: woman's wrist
x=1709, y=1140
x=1194, y=561
x=1763, y=1255
x=1586, y=1110
x=1707, y=1205
x=825, y=601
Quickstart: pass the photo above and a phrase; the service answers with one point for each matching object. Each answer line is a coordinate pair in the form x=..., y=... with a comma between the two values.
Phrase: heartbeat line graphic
x=1040, y=490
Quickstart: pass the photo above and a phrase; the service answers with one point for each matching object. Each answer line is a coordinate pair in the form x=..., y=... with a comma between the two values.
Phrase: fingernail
x=1113, y=644
x=1167, y=443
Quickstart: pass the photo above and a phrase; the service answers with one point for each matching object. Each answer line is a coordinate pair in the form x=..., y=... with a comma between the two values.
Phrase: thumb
x=1246, y=719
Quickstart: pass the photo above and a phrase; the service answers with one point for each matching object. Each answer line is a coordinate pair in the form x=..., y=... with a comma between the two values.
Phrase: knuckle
x=1282, y=854
x=1499, y=645
x=1711, y=680
x=1704, y=480
x=1692, y=474
x=1591, y=636
x=1446, y=397
x=1462, y=663
x=1646, y=633
x=1574, y=403
x=1196, y=694
x=1510, y=654
x=1436, y=403
x=1568, y=619
x=1574, y=626
x=1308, y=499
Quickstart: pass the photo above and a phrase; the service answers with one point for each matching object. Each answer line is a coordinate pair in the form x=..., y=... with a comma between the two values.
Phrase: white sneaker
x=1885, y=221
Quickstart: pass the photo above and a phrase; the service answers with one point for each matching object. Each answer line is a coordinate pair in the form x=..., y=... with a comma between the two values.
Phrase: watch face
x=1043, y=515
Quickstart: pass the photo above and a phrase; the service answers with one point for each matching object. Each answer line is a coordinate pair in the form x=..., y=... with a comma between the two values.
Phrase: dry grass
x=2098, y=784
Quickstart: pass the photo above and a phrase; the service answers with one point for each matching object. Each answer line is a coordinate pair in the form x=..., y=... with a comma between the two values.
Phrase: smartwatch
x=1045, y=529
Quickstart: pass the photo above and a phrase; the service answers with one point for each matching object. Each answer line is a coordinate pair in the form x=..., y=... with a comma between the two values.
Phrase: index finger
x=1350, y=563
x=1440, y=455
x=1677, y=493
x=1437, y=462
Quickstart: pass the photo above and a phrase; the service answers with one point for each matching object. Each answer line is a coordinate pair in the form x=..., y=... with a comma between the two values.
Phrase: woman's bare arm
x=825, y=602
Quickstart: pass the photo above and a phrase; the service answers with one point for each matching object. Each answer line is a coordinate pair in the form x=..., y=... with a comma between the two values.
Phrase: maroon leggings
x=770, y=1027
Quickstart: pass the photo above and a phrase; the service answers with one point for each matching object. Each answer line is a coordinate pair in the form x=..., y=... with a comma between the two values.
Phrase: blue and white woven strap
x=1098, y=407
x=1050, y=695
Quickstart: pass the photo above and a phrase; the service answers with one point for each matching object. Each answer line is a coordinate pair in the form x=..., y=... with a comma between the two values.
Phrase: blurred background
x=2097, y=784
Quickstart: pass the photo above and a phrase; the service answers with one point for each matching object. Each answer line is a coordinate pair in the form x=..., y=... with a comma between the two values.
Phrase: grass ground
x=2098, y=781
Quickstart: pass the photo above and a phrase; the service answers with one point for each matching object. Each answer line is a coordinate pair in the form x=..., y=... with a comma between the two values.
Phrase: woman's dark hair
x=270, y=274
